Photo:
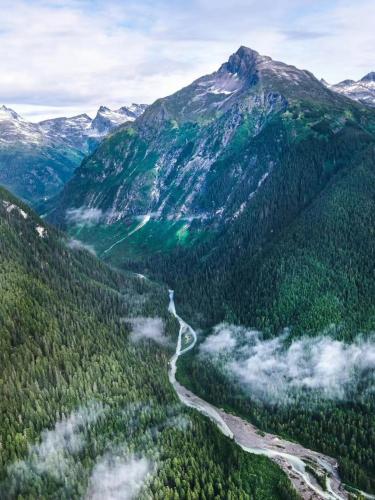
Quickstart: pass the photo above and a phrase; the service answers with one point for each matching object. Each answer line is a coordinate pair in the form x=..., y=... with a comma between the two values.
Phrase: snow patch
x=42, y=232
x=9, y=207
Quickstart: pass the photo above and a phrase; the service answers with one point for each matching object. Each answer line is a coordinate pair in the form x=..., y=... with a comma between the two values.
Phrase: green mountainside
x=231, y=180
x=80, y=398
x=251, y=192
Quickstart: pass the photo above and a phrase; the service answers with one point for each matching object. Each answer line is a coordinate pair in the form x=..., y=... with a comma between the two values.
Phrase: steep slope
x=87, y=408
x=166, y=167
x=220, y=174
x=37, y=159
x=363, y=90
x=252, y=193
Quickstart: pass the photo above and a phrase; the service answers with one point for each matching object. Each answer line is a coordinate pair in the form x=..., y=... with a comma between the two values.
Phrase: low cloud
x=79, y=245
x=221, y=340
x=276, y=369
x=147, y=329
x=119, y=478
x=54, y=454
x=84, y=216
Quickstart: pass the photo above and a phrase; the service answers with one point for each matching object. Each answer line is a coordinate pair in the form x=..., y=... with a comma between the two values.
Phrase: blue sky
x=62, y=57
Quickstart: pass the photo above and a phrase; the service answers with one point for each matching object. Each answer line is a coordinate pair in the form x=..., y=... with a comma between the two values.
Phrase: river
x=291, y=457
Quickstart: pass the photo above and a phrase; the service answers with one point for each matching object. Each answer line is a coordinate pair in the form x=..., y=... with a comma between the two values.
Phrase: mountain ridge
x=36, y=159
x=362, y=90
x=193, y=128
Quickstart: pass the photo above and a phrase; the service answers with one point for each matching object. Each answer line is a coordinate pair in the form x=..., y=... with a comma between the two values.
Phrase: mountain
x=85, y=400
x=33, y=164
x=236, y=160
x=165, y=166
x=195, y=163
x=106, y=119
x=83, y=132
x=37, y=159
x=75, y=130
x=251, y=192
x=363, y=90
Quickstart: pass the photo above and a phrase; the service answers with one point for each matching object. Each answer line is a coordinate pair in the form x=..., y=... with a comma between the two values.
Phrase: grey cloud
x=304, y=35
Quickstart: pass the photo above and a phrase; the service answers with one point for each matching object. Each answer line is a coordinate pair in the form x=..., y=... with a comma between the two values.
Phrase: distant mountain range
x=81, y=130
x=362, y=90
x=36, y=159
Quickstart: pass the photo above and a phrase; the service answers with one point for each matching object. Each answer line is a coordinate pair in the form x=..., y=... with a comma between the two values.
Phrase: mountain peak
x=243, y=62
x=244, y=51
x=6, y=113
x=103, y=109
x=370, y=77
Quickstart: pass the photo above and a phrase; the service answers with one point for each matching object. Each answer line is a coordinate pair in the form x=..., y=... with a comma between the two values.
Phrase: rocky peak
x=243, y=63
x=8, y=113
x=344, y=83
x=103, y=109
x=370, y=77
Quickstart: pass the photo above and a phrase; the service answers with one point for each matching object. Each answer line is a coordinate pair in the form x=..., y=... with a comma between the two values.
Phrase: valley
x=294, y=459
x=250, y=192
x=84, y=386
x=249, y=195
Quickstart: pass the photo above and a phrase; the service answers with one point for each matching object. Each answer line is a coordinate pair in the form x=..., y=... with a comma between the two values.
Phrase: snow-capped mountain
x=36, y=159
x=73, y=130
x=83, y=132
x=14, y=129
x=363, y=90
x=107, y=119
x=34, y=163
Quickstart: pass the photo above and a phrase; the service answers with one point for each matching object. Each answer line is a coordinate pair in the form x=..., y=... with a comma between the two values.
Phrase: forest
x=301, y=256
x=77, y=395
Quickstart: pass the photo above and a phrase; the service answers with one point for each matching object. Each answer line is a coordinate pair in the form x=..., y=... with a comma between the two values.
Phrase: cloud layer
x=61, y=57
x=74, y=244
x=277, y=368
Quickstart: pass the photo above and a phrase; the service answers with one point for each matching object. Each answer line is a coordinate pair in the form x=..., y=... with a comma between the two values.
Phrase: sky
x=65, y=57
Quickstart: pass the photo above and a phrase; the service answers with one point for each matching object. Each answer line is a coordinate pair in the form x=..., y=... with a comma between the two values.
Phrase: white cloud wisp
x=277, y=368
